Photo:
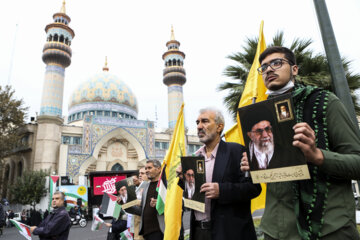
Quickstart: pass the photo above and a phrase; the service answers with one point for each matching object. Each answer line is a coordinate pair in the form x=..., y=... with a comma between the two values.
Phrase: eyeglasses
x=274, y=64
x=260, y=131
x=190, y=175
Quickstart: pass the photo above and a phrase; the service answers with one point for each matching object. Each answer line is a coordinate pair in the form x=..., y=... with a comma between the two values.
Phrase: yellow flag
x=254, y=91
x=173, y=202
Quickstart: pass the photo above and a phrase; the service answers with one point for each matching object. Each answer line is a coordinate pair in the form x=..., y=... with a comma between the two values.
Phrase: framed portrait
x=284, y=111
x=193, y=169
x=131, y=194
x=268, y=135
x=200, y=166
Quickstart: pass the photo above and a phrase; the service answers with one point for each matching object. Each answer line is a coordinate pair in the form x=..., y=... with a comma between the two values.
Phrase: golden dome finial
x=63, y=7
x=105, y=68
x=172, y=33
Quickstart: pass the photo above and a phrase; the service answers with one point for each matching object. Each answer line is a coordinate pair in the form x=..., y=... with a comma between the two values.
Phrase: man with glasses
x=264, y=152
x=190, y=185
x=322, y=207
x=261, y=145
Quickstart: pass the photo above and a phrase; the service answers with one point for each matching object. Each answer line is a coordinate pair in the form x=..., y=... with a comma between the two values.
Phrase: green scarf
x=311, y=195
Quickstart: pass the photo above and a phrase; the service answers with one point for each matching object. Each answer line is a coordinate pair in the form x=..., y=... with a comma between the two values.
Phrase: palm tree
x=313, y=69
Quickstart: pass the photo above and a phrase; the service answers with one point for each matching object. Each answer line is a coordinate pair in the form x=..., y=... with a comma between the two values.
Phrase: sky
x=133, y=34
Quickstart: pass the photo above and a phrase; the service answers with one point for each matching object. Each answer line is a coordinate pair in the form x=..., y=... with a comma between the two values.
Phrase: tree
x=12, y=114
x=30, y=188
x=313, y=69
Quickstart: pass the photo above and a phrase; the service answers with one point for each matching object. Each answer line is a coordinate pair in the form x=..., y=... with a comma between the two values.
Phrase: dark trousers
x=154, y=236
x=201, y=234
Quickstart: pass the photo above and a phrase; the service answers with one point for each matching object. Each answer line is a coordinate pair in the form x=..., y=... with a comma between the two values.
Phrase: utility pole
x=337, y=72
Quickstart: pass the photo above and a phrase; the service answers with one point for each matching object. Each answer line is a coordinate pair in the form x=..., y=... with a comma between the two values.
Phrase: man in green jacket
x=322, y=207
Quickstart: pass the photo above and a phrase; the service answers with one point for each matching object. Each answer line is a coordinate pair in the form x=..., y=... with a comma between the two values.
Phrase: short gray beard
x=207, y=138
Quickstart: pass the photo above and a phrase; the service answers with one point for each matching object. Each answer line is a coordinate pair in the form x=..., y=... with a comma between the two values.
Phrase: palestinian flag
x=23, y=229
x=53, y=180
x=109, y=206
x=126, y=235
x=97, y=223
x=161, y=188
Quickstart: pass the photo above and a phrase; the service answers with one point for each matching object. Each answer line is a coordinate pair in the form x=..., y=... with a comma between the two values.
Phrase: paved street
x=76, y=233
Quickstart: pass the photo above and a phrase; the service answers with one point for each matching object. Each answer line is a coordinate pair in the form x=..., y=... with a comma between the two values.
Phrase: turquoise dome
x=104, y=92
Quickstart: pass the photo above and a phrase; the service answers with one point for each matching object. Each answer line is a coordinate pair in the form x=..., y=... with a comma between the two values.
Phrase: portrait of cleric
x=193, y=178
x=192, y=189
x=130, y=189
x=283, y=111
x=269, y=140
x=261, y=145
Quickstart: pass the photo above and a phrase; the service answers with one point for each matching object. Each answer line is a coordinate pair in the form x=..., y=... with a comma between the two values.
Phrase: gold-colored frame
x=202, y=166
x=283, y=102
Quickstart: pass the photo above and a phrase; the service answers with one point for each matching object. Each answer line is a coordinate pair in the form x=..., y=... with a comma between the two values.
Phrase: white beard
x=263, y=153
x=189, y=189
x=267, y=147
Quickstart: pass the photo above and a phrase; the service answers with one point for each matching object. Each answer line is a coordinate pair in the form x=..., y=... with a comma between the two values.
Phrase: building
x=102, y=131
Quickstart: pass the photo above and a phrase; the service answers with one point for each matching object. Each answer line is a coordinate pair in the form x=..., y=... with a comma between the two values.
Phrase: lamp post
x=337, y=72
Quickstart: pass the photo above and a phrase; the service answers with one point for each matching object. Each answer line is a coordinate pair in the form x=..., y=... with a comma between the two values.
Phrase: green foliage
x=313, y=69
x=30, y=187
x=12, y=114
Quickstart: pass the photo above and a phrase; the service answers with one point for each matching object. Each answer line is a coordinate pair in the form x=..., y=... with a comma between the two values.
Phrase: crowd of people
x=321, y=207
x=27, y=216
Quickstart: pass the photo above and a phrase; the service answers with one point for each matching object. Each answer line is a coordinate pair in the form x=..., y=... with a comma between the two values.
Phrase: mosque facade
x=102, y=131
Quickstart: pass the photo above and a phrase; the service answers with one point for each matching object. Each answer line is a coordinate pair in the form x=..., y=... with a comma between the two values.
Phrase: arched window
x=169, y=64
x=56, y=38
x=178, y=62
x=62, y=38
x=66, y=41
x=117, y=167
x=174, y=62
x=20, y=169
x=50, y=37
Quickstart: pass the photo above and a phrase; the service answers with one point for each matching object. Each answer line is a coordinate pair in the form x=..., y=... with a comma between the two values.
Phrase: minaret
x=174, y=77
x=56, y=56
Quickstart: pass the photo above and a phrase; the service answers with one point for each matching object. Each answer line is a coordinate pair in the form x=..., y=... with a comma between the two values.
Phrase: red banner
x=106, y=184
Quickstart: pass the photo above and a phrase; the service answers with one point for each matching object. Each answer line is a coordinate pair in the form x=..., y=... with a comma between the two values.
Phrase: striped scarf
x=311, y=195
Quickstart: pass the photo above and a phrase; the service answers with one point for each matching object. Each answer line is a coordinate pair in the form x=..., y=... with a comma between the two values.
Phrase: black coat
x=280, y=158
x=230, y=213
x=2, y=216
x=55, y=226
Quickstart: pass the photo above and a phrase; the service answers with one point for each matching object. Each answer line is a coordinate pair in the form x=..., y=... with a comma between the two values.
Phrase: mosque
x=102, y=131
